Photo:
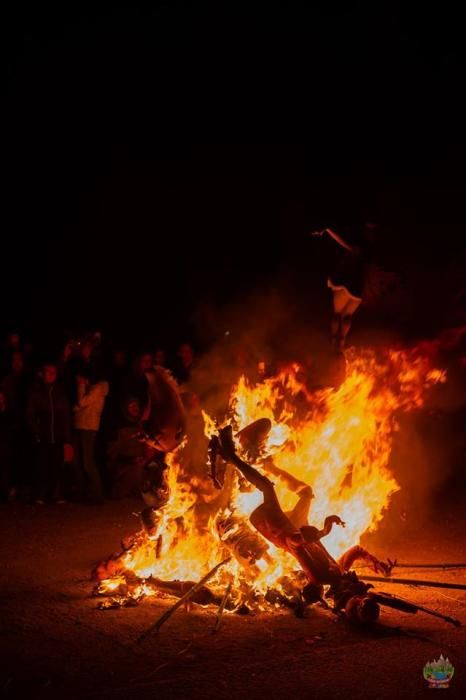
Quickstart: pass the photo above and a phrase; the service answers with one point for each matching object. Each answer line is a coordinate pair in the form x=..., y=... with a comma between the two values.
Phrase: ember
x=328, y=452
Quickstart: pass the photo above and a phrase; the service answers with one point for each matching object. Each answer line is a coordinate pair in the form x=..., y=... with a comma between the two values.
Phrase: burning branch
x=155, y=627
x=332, y=446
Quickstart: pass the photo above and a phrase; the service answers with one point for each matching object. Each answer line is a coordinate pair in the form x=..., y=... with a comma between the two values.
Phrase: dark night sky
x=157, y=157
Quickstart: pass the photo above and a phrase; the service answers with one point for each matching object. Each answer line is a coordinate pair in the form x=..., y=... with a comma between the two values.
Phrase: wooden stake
x=415, y=582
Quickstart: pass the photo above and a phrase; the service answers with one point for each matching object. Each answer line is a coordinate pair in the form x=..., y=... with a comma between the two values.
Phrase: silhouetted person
x=347, y=280
x=185, y=363
x=48, y=415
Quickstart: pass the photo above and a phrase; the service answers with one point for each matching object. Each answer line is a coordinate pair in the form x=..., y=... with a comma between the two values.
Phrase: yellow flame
x=336, y=440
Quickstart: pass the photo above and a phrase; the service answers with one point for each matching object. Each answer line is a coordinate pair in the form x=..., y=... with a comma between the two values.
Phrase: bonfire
x=337, y=440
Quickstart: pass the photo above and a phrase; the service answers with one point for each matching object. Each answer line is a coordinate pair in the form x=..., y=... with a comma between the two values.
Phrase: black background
x=158, y=158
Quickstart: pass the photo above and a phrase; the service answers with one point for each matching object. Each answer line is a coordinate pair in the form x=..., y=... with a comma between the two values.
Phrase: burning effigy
x=291, y=481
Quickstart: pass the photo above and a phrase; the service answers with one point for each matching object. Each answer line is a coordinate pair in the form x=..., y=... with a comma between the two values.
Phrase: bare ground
x=55, y=643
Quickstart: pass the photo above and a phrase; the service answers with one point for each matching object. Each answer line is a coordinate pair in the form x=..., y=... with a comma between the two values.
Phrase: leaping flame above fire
x=337, y=440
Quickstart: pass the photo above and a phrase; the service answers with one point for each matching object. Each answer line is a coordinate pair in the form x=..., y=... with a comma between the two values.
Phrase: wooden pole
x=415, y=582
x=431, y=566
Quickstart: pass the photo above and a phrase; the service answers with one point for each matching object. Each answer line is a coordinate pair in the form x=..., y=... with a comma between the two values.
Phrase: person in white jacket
x=92, y=392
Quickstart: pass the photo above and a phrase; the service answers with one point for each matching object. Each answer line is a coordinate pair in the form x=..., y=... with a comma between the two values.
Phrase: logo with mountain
x=438, y=673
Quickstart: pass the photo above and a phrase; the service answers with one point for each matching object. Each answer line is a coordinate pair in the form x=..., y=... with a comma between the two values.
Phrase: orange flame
x=336, y=440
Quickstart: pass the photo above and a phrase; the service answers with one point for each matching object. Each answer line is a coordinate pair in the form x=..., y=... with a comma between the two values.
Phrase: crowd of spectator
x=71, y=422
x=69, y=425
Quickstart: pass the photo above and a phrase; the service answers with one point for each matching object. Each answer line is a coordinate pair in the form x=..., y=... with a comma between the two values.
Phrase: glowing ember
x=338, y=441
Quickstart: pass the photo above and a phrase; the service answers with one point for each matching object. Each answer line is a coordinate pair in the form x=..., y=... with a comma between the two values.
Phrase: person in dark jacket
x=49, y=419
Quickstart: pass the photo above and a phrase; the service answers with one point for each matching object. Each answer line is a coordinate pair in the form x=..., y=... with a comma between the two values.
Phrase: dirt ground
x=55, y=643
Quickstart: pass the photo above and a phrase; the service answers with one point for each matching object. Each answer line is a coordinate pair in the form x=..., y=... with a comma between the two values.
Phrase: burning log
x=118, y=602
x=155, y=627
x=340, y=432
x=202, y=596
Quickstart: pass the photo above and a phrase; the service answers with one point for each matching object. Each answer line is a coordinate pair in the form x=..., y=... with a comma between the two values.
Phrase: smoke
x=257, y=333
x=272, y=327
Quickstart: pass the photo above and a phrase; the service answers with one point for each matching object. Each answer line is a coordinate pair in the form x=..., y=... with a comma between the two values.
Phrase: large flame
x=338, y=441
